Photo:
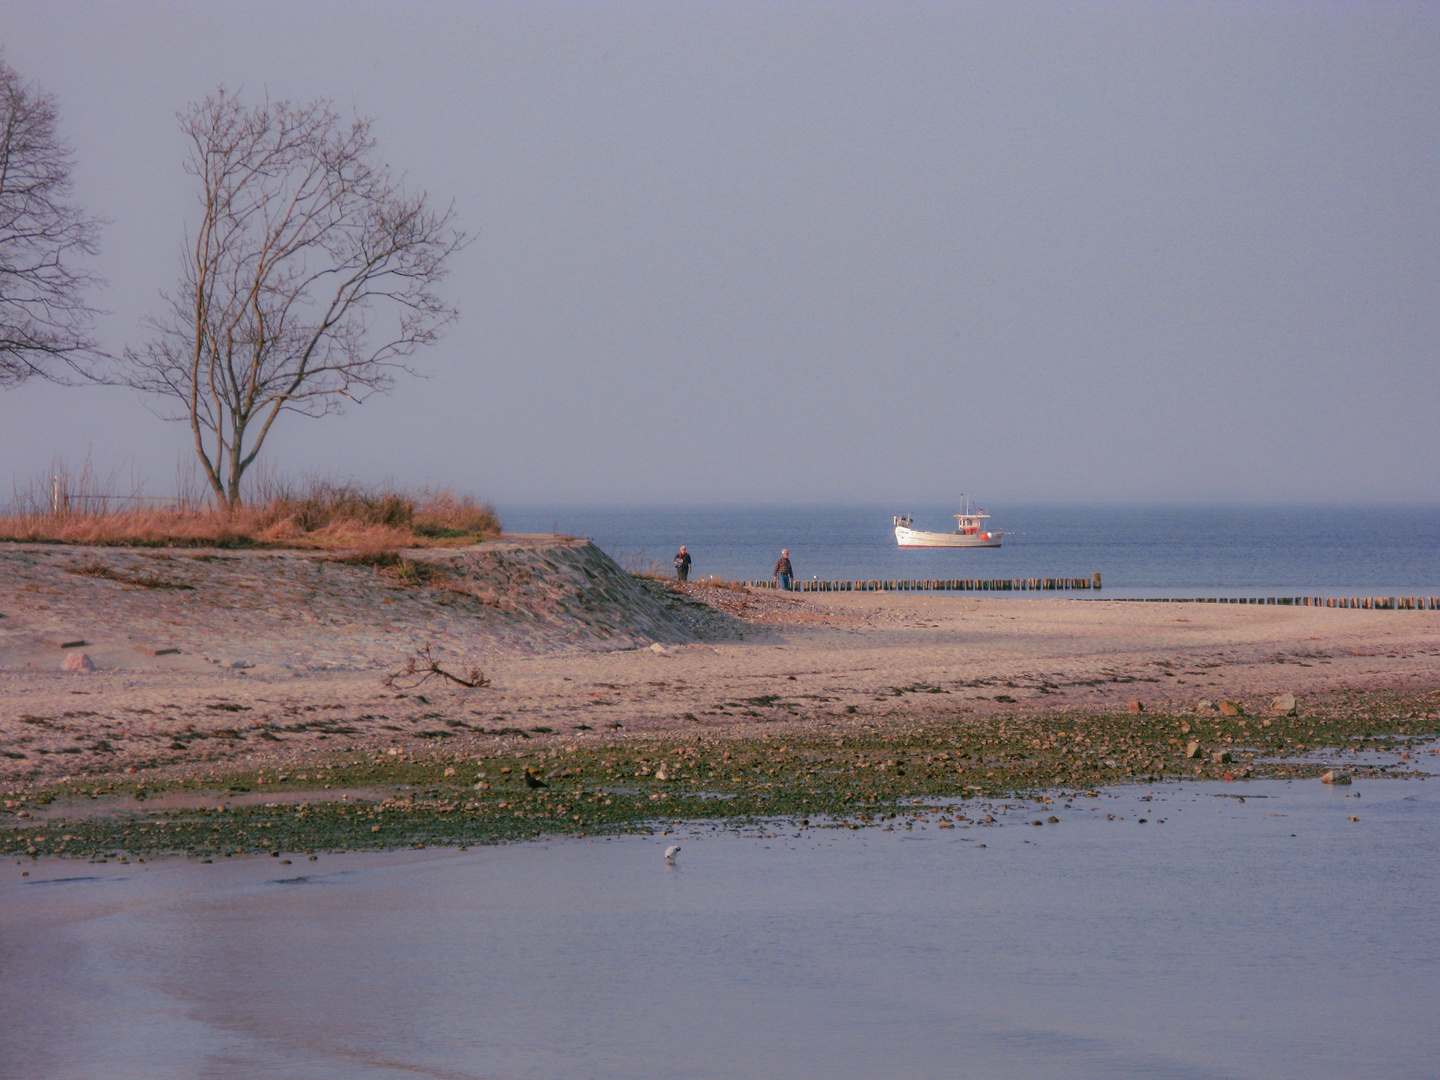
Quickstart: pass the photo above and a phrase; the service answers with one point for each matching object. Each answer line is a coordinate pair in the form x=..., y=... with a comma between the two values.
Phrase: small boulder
x=1136, y=706
x=1229, y=708
x=78, y=661
x=1204, y=705
x=1284, y=705
x=1192, y=749
x=1335, y=776
x=1220, y=757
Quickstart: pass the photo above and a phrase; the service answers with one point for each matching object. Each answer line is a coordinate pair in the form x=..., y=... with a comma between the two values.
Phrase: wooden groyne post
x=1044, y=584
x=1092, y=584
x=1362, y=603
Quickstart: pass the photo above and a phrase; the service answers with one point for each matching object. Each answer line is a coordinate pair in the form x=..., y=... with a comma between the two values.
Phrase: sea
x=1139, y=551
x=1270, y=930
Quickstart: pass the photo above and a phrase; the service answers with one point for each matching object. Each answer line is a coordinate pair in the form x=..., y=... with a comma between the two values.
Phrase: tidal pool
x=1241, y=930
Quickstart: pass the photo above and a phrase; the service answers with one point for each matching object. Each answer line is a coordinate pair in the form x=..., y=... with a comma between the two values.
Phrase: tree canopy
x=44, y=318
x=309, y=281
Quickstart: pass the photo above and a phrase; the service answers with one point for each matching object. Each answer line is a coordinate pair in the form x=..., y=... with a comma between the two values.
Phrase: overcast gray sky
x=752, y=253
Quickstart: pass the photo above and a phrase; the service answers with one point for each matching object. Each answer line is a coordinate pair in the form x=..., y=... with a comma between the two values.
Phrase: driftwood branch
x=422, y=665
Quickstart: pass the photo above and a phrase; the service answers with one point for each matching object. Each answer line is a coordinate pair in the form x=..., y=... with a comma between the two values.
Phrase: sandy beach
x=258, y=657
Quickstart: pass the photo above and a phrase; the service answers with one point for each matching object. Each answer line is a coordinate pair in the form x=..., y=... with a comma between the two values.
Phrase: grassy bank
x=319, y=514
x=853, y=774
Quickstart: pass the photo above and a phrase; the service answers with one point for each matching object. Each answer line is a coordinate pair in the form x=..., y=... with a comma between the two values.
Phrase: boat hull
x=914, y=538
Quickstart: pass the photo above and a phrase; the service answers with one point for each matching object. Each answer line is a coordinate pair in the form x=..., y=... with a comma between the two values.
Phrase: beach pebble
x=77, y=661
x=1204, y=705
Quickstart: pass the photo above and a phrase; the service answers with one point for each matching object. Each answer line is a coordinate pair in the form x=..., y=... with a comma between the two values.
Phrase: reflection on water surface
x=1157, y=932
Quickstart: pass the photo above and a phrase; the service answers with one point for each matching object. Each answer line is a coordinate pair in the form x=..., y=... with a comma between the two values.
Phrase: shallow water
x=1264, y=935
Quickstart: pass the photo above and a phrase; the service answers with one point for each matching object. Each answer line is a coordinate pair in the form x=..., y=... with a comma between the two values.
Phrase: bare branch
x=421, y=665
x=310, y=281
x=44, y=319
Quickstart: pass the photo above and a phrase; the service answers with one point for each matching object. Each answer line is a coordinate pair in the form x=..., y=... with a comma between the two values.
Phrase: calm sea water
x=1139, y=551
x=1179, y=932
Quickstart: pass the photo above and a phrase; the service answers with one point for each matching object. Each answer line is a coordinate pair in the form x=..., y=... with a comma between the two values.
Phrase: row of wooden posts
x=939, y=584
x=1369, y=603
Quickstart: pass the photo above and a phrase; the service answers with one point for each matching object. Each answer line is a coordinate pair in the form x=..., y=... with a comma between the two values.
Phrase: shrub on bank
x=443, y=515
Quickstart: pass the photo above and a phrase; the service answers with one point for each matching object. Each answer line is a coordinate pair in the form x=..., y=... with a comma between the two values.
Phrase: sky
x=835, y=253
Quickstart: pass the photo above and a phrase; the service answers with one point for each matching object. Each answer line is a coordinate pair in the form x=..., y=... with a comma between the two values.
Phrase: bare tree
x=309, y=282
x=44, y=321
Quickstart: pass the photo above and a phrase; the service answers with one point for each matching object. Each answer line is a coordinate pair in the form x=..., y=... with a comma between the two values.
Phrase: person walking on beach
x=784, y=574
x=682, y=565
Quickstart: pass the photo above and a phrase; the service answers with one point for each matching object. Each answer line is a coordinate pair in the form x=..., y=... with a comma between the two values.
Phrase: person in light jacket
x=682, y=565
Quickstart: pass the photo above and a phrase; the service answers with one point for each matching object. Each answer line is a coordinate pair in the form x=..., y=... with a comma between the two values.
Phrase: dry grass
x=323, y=515
x=637, y=562
x=401, y=570
x=712, y=582
x=147, y=581
x=443, y=515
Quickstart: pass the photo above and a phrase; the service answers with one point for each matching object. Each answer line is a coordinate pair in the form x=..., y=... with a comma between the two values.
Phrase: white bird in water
x=671, y=852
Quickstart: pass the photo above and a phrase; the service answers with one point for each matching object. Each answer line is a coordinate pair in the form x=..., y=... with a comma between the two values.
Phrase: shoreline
x=642, y=671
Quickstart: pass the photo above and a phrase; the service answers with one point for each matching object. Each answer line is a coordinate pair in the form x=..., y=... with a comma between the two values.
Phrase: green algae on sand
x=853, y=773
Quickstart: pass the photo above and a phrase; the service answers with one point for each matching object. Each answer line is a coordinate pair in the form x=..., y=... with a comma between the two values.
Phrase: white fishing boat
x=970, y=532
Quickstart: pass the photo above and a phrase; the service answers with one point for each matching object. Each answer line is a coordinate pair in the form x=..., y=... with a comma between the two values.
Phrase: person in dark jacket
x=784, y=573
x=682, y=565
